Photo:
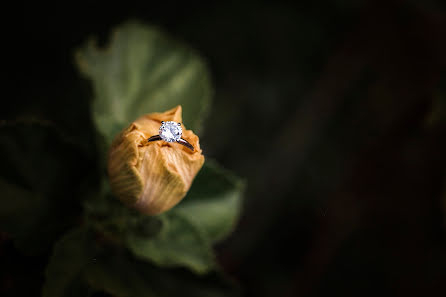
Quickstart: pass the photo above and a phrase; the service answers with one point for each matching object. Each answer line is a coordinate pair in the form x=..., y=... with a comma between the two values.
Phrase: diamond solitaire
x=171, y=131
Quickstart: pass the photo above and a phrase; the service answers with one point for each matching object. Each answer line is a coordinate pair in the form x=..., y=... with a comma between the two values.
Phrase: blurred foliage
x=83, y=263
x=43, y=179
x=213, y=201
x=143, y=70
x=49, y=184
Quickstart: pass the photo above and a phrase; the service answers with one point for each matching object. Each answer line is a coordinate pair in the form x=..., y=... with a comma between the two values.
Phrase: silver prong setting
x=171, y=131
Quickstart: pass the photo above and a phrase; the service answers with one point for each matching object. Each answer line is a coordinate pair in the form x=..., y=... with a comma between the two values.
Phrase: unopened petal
x=153, y=177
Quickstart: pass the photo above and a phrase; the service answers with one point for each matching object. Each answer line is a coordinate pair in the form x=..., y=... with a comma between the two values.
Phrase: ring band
x=180, y=141
x=171, y=131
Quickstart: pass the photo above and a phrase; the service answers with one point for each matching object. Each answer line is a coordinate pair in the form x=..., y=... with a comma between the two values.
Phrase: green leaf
x=20, y=210
x=182, y=236
x=214, y=201
x=64, y=273
x=109, y=216
x=179, y=243
x=141, y=71
x=84, y=262
x=42, y=176
x=168, y=240
x=121, y=274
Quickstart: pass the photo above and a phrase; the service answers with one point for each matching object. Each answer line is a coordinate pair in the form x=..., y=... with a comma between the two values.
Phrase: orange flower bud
x=153, y=176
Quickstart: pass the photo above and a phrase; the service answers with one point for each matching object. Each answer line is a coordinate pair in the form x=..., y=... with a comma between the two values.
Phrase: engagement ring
x=171, y=131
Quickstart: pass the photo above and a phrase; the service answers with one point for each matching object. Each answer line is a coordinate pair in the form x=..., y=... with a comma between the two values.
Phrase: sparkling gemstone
x=170, y=131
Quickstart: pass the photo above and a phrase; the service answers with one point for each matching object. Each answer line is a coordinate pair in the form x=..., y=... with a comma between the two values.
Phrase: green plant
x=56, y=196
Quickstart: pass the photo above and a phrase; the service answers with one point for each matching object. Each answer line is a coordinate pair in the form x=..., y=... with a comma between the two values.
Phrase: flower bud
x=153, y=176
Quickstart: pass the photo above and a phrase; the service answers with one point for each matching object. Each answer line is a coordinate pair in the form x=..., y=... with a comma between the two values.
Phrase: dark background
x=332, y=111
